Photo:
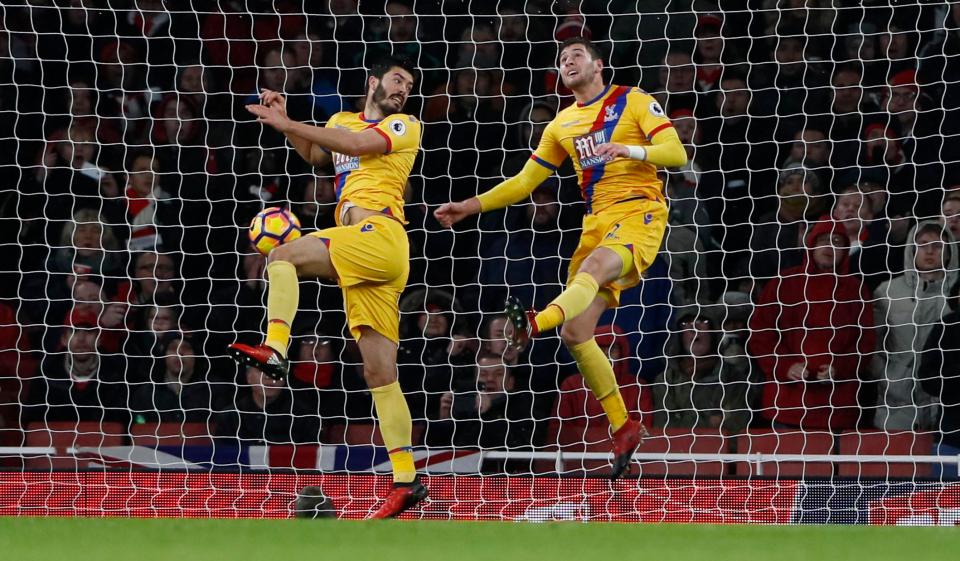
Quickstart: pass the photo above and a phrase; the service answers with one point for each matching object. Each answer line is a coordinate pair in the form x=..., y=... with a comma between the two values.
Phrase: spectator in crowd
x=939, y=59
x=915, y=156
x=812, y=335
x=907, y=308
x=897, y=47
x=677, y=81
x=309, y=51
x=151, y=212
x=700, y=388
x=429, y=349
x=89, y=298
x=951, y=213
x=811, y=149
x=850, y=113
x=778, y=238
x=316, y=377
x=710, y=46
x=78, y=383
x=859, y=44
x=153, y=274
x=478, y=48
x=123, y=96
x=265, y=412
x=739, y=157
x=156, y=320
x=528, y=259
x=682, y=185
x=316, y=205
x=87, y=247
x=237, y=310
x=489, y=410
x=177, y=391
x=493, y=339
x=870, y=254
x=790, y=86
x=939, y=379
x=194, y=83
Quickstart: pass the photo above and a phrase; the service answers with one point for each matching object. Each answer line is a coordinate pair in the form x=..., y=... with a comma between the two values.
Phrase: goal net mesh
x=795, y=340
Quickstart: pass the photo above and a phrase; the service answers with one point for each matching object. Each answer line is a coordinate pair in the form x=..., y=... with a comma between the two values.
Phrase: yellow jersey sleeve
x=550, y=153
x=648, y=113
x=402, y=132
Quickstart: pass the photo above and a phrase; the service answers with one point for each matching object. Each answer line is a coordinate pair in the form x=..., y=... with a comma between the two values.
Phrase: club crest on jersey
x=398, y=127
x=366, y=227
x=610, y=114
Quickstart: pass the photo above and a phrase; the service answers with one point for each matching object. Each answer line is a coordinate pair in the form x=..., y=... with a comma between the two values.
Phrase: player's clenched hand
x=269, y=116
x=271, y=98
x=612, y=150
x=450, y=213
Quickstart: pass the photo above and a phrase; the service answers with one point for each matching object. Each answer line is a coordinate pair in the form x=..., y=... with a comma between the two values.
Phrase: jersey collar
x=598, y=98
x=365, y=120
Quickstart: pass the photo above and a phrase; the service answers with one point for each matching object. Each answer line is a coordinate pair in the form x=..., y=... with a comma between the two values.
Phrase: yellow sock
x=576, y=298
x=396, y=427
x=615, y=409
x=598, y=373
x=283, y=297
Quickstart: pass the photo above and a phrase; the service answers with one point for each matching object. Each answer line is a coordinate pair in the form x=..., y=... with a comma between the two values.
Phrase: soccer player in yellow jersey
x=616, y=136
x=367, y=252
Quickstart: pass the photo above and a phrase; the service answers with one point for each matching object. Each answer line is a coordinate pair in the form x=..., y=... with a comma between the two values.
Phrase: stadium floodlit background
x=130, y=174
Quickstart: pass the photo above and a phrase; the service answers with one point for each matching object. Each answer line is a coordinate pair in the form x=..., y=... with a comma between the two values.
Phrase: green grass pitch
x=100, y=539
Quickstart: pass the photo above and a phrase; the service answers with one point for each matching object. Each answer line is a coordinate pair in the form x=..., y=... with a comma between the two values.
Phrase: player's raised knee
x=574, y=334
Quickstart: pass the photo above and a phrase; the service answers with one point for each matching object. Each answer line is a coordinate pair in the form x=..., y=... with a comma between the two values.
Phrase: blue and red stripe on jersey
x=543, y=162
x=591, y=176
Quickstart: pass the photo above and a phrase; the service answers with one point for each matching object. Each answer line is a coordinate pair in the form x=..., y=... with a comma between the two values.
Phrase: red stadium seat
x=785, y=442
x=879, y=443
x=64, y=435
x=171, y=434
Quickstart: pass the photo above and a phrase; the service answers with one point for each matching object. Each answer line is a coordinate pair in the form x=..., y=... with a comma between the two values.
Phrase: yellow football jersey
x=376, y=181
x=620, y=114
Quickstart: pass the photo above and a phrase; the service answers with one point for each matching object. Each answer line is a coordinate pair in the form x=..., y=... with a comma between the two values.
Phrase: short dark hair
x=383, y=65
x=587, y=44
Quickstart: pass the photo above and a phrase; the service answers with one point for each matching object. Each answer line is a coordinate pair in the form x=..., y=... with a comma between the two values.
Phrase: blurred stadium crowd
x=808, y=277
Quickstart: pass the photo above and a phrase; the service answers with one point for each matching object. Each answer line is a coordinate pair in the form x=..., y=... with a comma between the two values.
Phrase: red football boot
x=263, y=357
x=626, y=440
x=401, y=497
x=524, y=327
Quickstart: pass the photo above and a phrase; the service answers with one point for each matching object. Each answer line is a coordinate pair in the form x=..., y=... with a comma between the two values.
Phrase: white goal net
x=792, y=350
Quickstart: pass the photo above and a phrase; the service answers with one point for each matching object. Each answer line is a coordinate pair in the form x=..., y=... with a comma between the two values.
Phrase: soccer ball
x=272, y=227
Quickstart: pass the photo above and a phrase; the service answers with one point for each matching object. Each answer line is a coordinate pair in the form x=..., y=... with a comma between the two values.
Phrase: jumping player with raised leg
x=367, y=253
x=616, y=136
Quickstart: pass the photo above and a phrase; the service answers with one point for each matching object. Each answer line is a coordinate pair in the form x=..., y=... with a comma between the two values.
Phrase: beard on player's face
x=386, y=102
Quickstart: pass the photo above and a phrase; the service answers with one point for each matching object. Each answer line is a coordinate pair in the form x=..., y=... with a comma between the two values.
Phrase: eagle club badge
x=610, y=114
x=398, y=127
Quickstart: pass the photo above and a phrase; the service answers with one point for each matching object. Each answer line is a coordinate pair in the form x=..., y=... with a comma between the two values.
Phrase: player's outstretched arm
x=504, y=194
x=313, y=154
x=341, y=141
x=666, y=150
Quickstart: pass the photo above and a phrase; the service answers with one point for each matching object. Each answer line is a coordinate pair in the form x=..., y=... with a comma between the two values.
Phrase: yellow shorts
x=637, y=225
x=372, y=259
